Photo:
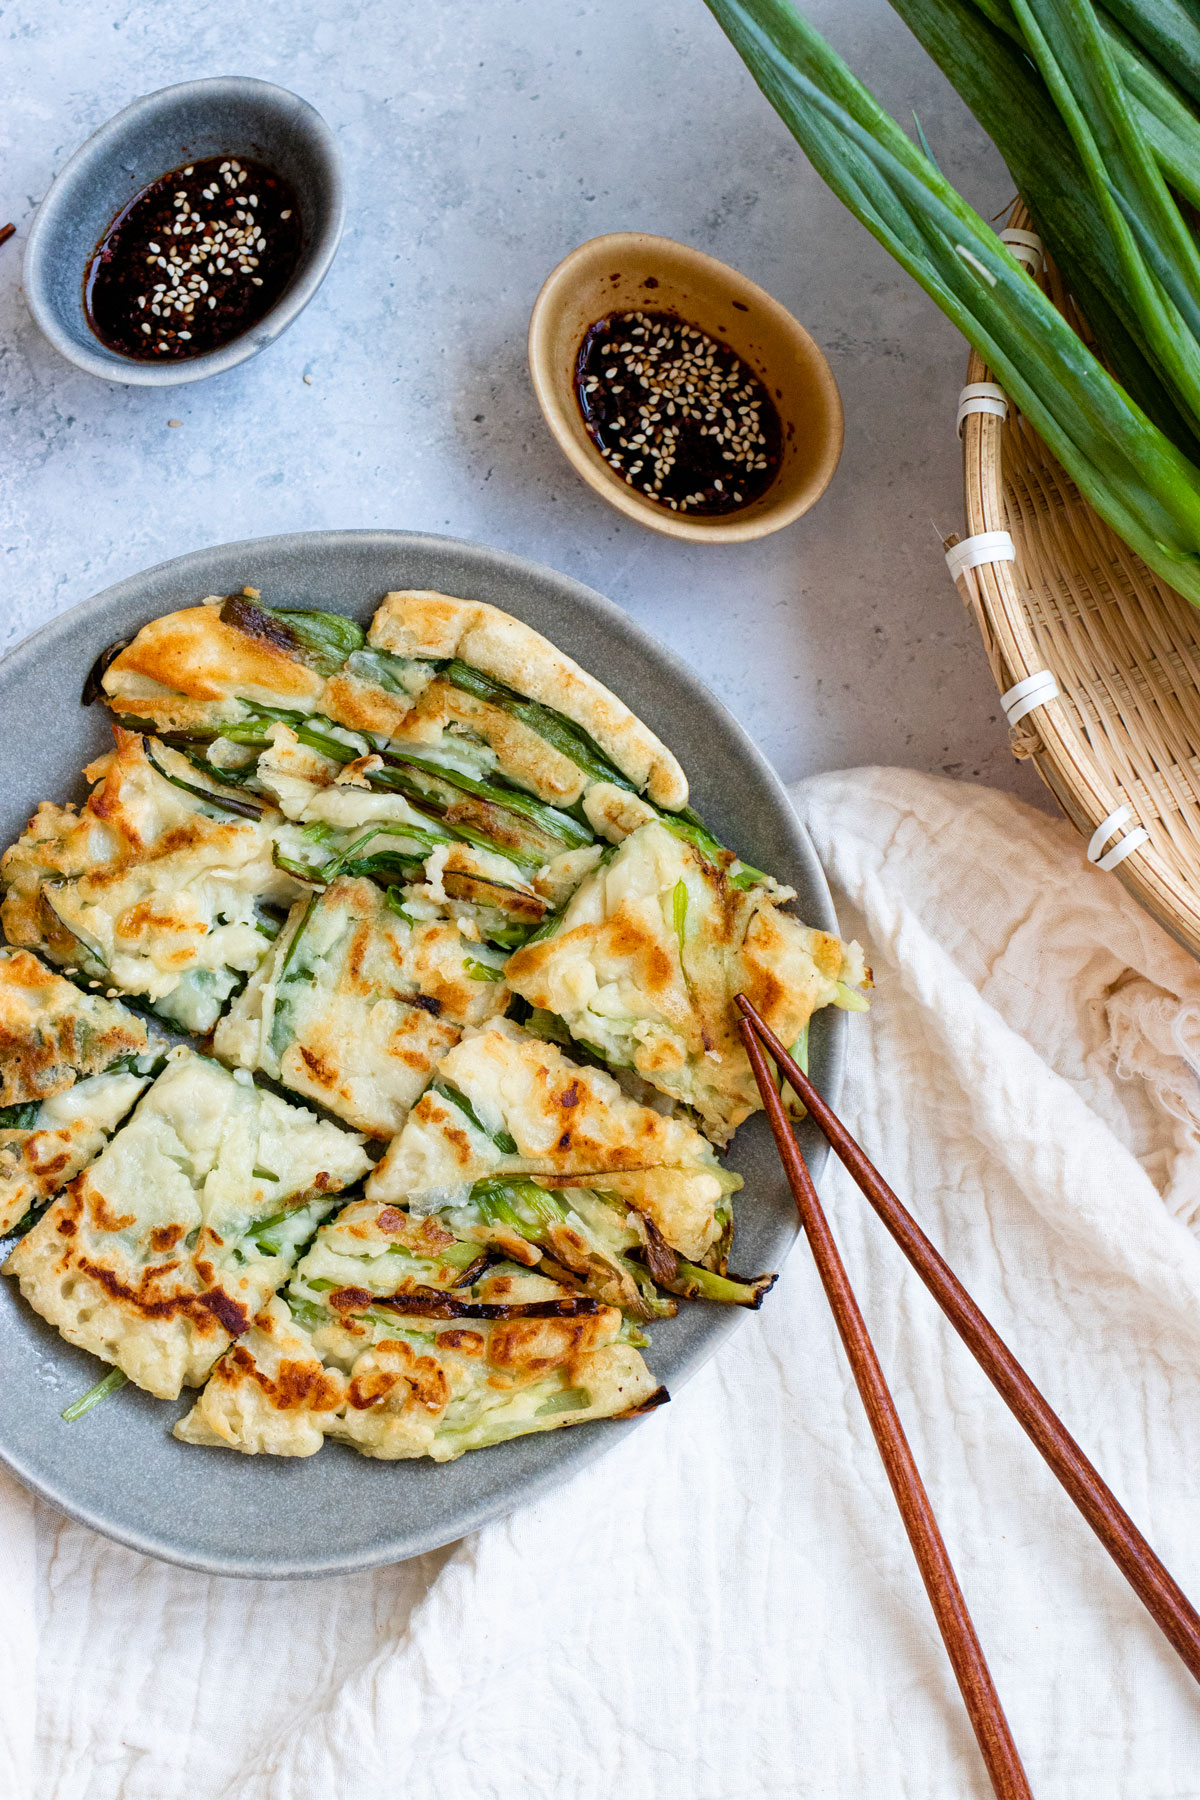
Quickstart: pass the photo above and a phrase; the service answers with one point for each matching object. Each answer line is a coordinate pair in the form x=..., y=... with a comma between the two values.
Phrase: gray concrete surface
x=482, y=140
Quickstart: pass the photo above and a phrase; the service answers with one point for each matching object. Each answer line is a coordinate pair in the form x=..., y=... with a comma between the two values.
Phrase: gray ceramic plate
x=119, y=1469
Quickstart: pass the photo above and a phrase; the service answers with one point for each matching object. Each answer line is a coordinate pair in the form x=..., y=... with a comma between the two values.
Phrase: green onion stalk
x=979, y=47
x=1129, y=471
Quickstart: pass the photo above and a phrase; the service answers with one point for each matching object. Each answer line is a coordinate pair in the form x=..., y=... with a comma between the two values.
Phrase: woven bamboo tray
x=1123, y=648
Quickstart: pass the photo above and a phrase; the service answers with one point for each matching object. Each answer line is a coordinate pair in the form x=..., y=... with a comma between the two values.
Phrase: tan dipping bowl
x=630, y=271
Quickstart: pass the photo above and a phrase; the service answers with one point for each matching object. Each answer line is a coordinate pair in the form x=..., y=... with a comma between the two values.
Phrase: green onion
x=697, y=1283
x=481, y=971
x=1168, y=33
x=108, y=1384
x=382, y=668
x=1010, y=100
x=679, y=908
x=247, y=809
x=1131, y=474
x=555, y=823
x=322, y=640
x=393, y=899
x=570, y=1400
x=571, y=740
x=445, y=1090
x=20, y=1117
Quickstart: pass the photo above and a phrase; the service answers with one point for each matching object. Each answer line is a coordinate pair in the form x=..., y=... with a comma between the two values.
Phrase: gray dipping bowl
x=230, y=115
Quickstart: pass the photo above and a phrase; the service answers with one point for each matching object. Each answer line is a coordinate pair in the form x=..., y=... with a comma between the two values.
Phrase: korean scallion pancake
x=356, y=1001
x=161, y=885
x=72, y=1064
x=507, y=870
x=647, y=958
x=432, y=669
x=62, y=1136
x=166, y=1247
x=455, y=1374
x=504, y=1103
x=52, y=1034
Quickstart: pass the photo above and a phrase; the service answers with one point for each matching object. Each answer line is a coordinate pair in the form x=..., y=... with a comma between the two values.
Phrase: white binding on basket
x=984, y=547
x=1125, y=845
x=1027, y=247
x=981, y=397
x=1023, y=696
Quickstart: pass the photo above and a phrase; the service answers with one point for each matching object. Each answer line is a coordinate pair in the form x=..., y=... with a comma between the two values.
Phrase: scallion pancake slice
x=516, y=1355
x=646, y=960
x=356, y=1002
x=164, y=1249
x=162, y=886
x=503, y=1103
x=72, y=1065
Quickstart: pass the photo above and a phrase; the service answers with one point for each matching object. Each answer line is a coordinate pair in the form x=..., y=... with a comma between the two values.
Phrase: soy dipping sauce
x=676, y=413
x=194, y=260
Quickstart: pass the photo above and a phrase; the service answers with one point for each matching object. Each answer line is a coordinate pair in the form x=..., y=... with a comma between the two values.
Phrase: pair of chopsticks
x=1151, y=1581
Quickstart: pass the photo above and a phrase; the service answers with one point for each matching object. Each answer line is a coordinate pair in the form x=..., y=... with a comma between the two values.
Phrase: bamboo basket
x=1123, y=648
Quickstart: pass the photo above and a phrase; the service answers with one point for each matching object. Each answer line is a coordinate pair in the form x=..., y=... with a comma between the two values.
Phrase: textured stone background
x=482, y=140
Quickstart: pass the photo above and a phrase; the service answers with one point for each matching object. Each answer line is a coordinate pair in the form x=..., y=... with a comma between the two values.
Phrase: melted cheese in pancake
x=169, y=1244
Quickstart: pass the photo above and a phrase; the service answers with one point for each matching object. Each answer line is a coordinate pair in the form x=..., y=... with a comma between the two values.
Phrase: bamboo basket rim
x=1123, y=647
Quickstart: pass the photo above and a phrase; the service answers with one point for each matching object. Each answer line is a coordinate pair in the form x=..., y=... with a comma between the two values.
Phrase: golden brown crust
x=618, y=974
x=51, y=1035
x=180, y=667
x=428, y=625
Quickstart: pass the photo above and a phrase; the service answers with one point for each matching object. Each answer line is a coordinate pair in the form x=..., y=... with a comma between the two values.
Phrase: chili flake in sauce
x=194, y=260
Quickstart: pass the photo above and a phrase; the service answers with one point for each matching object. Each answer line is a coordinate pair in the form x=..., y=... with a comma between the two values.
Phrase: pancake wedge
x=434, y=671
x=494, y=857
x=164, y=1249
x=508, y=668
x=71, y=1066
x=648, y=955
x=505, y=1104
x=513, y=1355
x=161, y=885
x=356, y=1001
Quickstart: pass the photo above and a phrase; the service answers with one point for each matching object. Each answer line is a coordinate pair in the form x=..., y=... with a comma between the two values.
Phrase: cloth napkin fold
x=726, y=1605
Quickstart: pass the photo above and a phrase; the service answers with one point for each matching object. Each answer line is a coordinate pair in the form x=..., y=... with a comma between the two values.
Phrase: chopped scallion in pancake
x=648, y=955
x=161, y=886
x=417, y=1375
x=432, y=668
x=71, y=1066
x=356, y=1002
x=164, y=1249
x=504, y=1104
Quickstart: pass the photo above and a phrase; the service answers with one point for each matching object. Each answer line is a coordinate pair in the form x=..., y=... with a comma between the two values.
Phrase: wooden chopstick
x=1148, y=1576
x=974, y=1678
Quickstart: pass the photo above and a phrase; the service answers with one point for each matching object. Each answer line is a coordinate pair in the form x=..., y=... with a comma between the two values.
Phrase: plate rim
x=586, y=1446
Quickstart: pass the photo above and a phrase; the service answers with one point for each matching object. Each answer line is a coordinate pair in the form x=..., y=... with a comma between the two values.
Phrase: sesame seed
x=225, y=267
x=693, y=406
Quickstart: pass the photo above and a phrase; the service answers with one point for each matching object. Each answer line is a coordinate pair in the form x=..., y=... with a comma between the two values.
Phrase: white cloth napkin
x=726, y=1606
